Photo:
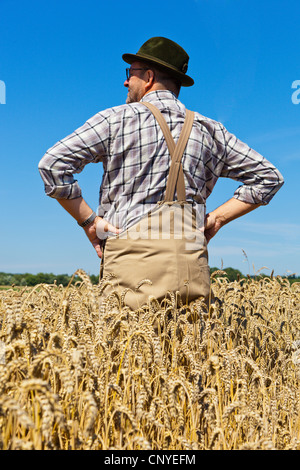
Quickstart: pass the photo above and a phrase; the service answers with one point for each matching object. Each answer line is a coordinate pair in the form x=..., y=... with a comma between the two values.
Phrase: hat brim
x=184, y=79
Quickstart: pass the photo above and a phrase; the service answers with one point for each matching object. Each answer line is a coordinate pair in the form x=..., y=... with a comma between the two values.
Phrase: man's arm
x=87, y=144
x=81, y=211
x=225, y=213
x=261, y=181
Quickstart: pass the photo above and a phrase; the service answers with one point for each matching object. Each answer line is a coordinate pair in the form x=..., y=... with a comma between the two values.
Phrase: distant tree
x=63, y=279
x=231, y=273
x=94, y=279
x=30, y=279
x=5, y=279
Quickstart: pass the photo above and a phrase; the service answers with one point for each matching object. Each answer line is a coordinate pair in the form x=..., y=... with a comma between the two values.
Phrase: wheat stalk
x=80, y=370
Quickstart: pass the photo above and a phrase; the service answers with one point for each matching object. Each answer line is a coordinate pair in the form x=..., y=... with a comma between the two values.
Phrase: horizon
x=254, y=274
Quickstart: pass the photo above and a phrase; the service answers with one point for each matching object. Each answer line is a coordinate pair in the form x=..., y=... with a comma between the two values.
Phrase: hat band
x=161, y=62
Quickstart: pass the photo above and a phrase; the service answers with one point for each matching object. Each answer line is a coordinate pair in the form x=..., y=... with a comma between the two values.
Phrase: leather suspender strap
x=171, y=146
x=175, y=178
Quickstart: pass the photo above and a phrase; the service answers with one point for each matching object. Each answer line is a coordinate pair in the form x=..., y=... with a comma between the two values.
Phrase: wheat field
x=80, y=371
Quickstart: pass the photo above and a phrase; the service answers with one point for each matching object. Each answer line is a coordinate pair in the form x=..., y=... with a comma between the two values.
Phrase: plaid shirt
x=130, y=144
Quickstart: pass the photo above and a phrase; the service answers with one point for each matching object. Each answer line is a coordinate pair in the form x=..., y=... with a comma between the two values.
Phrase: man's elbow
x=274, y=187
x=280, y=181
x=43, y=166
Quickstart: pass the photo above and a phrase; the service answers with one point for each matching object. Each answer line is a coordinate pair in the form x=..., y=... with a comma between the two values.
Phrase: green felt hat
x=166, y=55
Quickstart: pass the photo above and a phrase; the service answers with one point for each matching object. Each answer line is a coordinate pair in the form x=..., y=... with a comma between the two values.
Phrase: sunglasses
x=129, y=74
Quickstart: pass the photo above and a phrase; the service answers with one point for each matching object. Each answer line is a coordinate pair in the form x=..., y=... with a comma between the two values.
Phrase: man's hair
x=165, y=79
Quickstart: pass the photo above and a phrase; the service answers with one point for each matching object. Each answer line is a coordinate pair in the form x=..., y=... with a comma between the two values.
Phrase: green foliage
x=232, y=274
x=235, y=275
x=28, y=279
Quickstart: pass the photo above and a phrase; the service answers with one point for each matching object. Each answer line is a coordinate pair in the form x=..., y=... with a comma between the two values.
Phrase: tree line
x=28, y=279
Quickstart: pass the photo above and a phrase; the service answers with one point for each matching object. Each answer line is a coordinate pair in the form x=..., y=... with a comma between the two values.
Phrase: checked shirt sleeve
x=88, y=144
x=261, y=180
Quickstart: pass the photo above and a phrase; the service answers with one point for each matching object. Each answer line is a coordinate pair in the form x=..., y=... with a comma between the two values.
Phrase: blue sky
x=61, y=63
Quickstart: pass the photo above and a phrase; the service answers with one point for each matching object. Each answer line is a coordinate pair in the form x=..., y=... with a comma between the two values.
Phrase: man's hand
x=225, y=213
x=97, y=231
x=211, y=227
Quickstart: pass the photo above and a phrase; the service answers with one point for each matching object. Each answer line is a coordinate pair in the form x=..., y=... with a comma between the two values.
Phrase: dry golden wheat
x=79, y=370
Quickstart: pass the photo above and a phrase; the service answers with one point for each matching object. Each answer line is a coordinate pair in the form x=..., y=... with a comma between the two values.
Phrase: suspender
x=175, y=178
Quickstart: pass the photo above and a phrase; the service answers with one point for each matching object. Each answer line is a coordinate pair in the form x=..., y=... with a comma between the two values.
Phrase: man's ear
x=150, y=77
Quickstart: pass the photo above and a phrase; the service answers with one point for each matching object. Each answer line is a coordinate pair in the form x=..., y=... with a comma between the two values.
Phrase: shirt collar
x=160, y=95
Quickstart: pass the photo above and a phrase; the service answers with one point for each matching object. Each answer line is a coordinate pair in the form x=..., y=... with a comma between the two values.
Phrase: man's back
x=129, y=142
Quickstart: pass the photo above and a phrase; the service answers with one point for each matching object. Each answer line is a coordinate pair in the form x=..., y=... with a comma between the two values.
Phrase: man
x=129, y=143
